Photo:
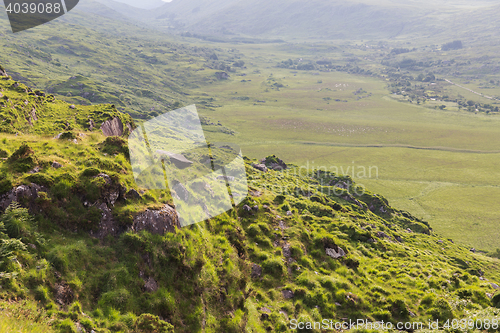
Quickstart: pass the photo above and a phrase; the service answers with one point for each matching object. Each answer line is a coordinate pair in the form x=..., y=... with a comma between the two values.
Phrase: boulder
x=274, y=163
x=335, y=253
x=133, y=194
x=150, y=285
x=265, y=312
x=107, y=225
x=56, y=165
x=3, y=72
x=287, y=294
x=112, y=127
x=157, y=221
x=24, y=194
x=260, y=167
x=381, y=234
x=256, y=271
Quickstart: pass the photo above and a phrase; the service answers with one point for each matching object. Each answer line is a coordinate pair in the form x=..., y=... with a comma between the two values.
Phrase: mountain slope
x=83, y=241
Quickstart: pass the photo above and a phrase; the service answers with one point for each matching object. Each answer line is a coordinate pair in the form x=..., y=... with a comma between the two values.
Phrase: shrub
x=148, y=323
x=41, y=179
x=3, y=153
x=42, y=294
x=273, y=267
x=5, y=185
x=253, y=230
x=398, y=308
x=90, y=172
x=115, y=145
x=117, y=299
x=441, y=310
x=16, y=220
x=66, y=326
x=23, y=159
x=428, y=300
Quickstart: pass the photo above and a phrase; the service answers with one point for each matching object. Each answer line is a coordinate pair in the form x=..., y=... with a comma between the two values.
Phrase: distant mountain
x=317, y=19
x=145, y=4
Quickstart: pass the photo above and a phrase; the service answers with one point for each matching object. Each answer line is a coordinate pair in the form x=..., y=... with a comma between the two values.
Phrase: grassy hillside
x=306, y=119
x=304, y=245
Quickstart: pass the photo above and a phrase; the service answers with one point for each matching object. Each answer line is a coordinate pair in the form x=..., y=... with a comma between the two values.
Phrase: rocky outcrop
x=107, y=225
x=256, y=271
x=335, y=253
x=150, y=285
x=56, y=165
x=287, y=294
x=157, y=221
x=3, y=72
x=112, y=191
x=112, y=127
x=274, y=163
x=260, y=167
x=24, y=194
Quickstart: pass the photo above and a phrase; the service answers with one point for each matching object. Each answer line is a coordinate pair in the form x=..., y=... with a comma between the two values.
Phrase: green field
x=441, y=165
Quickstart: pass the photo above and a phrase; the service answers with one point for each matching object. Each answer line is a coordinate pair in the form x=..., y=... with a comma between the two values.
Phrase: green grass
x=23, y=317
x=410, y=145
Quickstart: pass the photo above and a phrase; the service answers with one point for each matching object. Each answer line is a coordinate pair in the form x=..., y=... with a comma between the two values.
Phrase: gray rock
x=287, y=294
x=287, y=253
x=157, y=221
x=381, y=234
x=260, y=167
x=256, y=271
x=180, y=161
x=247, y=208
x=133, y=194
x=150, y=285
x=21, y=193
x=495, y=286
x=111, y=191
x=107, y=225
x=335, y=254
x=56, y=165
x=112, y=127
x=36, y=169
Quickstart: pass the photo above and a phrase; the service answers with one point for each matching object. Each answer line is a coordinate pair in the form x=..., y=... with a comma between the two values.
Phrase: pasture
x=441, y=165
